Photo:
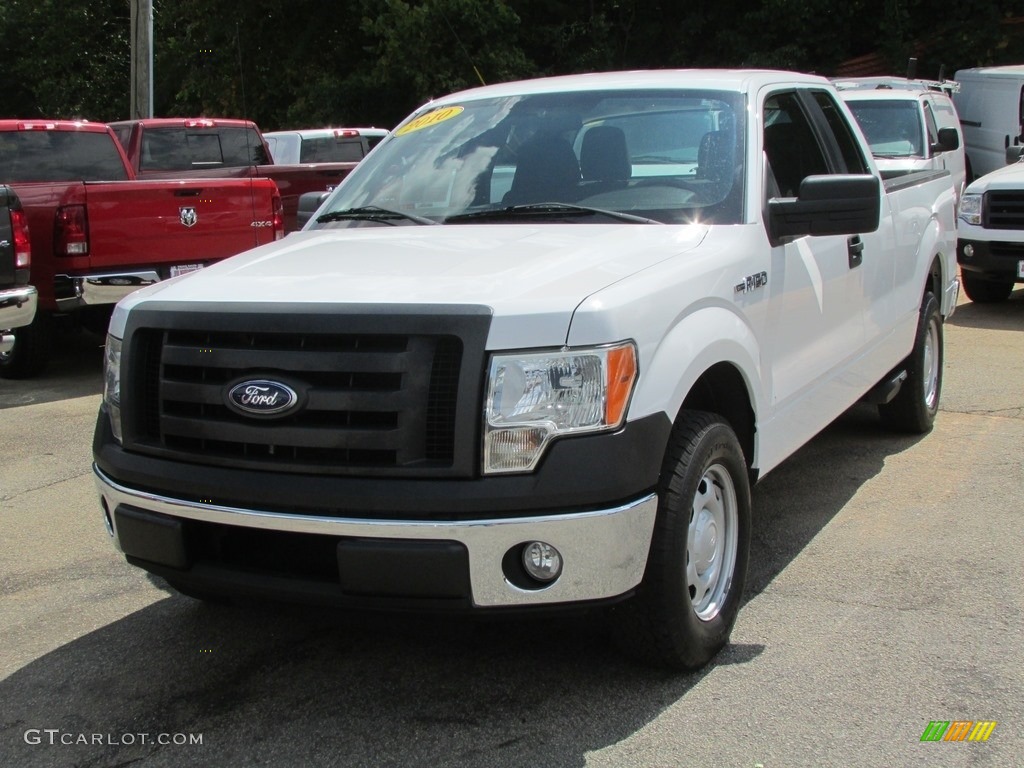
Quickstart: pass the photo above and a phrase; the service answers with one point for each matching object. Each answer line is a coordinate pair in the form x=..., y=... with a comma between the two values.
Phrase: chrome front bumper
x=604, y=552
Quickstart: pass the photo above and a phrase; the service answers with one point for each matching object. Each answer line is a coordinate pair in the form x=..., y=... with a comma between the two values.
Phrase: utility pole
x=142, y=58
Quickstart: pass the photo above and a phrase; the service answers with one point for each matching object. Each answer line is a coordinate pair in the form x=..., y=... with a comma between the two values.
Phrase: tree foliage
x=369, y=62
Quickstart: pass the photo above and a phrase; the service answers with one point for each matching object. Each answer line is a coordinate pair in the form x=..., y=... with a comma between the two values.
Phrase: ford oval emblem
x=262, y=397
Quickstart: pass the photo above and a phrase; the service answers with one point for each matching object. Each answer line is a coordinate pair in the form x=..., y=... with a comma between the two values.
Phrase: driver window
x=930, y=125
x=791, y=149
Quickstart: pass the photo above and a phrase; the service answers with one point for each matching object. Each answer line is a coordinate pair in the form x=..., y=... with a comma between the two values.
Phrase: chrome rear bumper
x=89, y=290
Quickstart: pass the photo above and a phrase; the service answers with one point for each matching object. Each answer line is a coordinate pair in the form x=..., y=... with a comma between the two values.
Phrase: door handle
x=855, y=248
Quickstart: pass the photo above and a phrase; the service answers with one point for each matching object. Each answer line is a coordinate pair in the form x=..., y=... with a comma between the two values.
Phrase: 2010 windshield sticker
x=429, y=119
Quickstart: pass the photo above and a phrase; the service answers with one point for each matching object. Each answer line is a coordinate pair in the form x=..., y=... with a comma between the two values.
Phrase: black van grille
x=1005, y=210
x=370, y=403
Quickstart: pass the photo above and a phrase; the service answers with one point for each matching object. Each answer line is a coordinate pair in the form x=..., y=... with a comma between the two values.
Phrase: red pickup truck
x=166, y=147
x=98, y=233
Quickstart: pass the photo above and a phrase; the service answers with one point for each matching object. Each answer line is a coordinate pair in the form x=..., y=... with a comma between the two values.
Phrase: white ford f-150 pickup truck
x=531, y=354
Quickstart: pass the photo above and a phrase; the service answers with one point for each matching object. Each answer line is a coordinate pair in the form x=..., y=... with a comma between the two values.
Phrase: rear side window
x=60, y=156
x=184, y=149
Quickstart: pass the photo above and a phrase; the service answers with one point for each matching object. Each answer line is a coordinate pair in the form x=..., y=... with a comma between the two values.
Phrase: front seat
x=547, y=172
x=604, y=156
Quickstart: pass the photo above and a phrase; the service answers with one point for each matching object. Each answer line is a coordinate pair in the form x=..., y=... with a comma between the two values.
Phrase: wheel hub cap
x=711, y=542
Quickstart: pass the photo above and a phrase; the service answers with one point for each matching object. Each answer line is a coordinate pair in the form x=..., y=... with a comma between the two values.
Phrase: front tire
x=31, y=352
x=981, y=290
x=916, y=404
x=685, y=609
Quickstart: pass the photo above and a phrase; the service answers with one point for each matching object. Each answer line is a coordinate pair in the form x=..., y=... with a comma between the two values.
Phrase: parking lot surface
x=884, y=594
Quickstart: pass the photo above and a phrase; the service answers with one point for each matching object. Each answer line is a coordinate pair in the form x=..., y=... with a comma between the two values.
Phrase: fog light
x=542, y=561
x=969, y=251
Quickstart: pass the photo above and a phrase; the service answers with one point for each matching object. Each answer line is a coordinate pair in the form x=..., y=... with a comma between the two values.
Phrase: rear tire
x=915, y=406
x=685, y=609
x=31, y=351
x=981, y=290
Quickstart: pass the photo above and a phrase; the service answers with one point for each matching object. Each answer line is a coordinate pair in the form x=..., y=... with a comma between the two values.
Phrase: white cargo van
x=991, y=106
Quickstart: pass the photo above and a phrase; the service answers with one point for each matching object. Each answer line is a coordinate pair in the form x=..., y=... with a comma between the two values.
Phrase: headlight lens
x=112, y=384
x=970, y=209
x=534, y=397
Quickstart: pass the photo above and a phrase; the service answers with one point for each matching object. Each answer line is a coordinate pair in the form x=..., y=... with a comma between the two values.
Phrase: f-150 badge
x=188, y=216
x=750, y=282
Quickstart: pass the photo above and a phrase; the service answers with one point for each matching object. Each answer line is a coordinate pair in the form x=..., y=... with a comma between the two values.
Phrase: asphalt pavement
x=884, y=594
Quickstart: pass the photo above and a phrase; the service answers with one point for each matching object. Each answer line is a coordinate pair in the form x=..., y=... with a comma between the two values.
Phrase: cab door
x=819, y=295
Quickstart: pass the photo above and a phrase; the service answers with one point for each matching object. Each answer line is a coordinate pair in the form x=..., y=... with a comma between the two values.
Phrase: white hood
x=533, y=274
x=1008, y=177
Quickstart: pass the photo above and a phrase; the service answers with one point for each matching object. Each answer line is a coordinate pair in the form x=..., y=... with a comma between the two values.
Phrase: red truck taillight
x=22, y=244
x=71, y=231
x=278, y=206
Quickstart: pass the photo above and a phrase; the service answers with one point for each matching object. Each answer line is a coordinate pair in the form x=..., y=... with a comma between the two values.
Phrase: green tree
x=65, y=58
x=306, y=63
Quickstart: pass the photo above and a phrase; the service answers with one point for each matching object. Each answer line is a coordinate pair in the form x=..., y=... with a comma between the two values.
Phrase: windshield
x=892, y=128
x=659, y=156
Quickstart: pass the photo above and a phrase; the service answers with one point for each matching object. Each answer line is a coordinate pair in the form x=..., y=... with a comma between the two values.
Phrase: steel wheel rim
x=931, y=365
x=711, y=542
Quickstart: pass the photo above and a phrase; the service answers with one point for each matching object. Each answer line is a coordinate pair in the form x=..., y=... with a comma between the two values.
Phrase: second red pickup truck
x=98, y=233
x=173, y=147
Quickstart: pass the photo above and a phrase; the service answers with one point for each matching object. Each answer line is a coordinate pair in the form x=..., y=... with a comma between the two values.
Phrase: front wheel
x=31, y=351
x=916, y=404
x=981, y=290
x=685, y=609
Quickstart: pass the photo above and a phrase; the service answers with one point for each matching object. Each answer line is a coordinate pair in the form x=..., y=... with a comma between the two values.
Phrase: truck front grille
x=374, y=403
x=1004, y=210
x=1006, y=250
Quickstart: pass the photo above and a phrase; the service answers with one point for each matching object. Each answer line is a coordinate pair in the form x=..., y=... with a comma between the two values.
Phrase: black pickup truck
x=17, y=297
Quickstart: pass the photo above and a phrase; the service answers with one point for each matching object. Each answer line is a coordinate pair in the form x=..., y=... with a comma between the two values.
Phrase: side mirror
x=308, y=205
x=827, y=205
x=949, y=140
x=1014, y=154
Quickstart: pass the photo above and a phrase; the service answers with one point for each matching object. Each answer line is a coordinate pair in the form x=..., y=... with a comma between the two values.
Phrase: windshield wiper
x=554, y=209
x=372, y=213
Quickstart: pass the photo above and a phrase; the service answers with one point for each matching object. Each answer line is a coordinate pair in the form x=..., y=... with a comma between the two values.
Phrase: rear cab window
x=181, y=148
x=56, y=155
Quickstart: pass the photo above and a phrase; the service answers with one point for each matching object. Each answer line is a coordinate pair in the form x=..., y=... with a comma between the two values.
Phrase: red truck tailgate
x=146, y=222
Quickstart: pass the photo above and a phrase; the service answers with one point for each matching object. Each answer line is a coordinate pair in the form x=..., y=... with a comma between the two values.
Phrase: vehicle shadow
x=75, y=369
x=1002, y=316
x=284, y=685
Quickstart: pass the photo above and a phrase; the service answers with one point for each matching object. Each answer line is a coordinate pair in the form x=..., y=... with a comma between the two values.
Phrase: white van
x=910, y=125
x=991, y=106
